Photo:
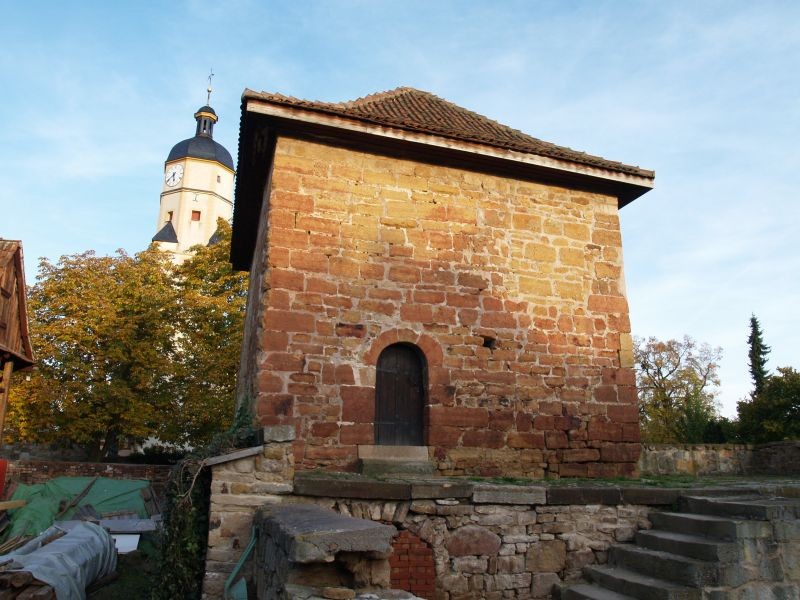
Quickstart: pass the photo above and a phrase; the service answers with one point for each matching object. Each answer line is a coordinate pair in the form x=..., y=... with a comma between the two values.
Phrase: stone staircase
x=712, y=549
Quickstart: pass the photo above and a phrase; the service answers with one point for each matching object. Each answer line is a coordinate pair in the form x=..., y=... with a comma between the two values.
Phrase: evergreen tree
x=757, y=355
x=774, y=414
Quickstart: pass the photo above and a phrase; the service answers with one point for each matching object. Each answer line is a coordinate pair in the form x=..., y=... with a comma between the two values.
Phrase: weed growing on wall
x=182, y=546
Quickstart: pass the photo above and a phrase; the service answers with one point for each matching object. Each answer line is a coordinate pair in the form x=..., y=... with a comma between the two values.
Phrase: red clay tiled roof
x=418, y=111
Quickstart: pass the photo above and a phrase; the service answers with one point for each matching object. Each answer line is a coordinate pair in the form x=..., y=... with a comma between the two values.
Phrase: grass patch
x=137, y=573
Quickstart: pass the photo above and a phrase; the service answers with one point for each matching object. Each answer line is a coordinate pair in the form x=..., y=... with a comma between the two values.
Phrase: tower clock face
x=173, y=175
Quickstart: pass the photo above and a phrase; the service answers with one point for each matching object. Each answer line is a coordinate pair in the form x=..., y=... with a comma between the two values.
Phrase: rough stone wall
x=493, y=551
x=504, y=543
x=238, y=488
x=696, y=459
x=767, y=567
x=512, y=290
x=776, y=458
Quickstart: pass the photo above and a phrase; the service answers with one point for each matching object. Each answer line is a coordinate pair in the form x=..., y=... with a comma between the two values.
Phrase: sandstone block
x=470, y=564
x=542, y=584
x=546, y=556
x=473, y=540
x=278, y=433
x=509, y=494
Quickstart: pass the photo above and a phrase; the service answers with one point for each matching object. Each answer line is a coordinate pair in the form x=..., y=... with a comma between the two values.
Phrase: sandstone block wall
x=775, y=458
x=695, y=459
x=512, y=290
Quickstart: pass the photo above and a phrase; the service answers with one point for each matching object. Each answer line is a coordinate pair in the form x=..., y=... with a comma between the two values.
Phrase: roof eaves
x=547, y=149
x=376, y=127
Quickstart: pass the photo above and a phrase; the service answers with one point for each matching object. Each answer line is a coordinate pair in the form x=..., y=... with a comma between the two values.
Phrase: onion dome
x=202, y=145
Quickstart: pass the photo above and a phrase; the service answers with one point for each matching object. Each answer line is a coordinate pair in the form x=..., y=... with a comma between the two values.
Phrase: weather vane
x=208, y=98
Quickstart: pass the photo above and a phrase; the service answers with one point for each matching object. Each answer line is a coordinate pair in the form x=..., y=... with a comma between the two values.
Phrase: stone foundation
x=495, y=551
x=484, y=541
x=776, y=458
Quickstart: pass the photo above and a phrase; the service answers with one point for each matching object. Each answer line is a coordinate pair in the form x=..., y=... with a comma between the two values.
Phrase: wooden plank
x=77, y=498
x=9, y=504
x=244, y=453
x=5, y=384
x=53, y=537
x=12, y=543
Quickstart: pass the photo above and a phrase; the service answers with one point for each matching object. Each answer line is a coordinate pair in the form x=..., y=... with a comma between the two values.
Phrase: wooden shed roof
x=15, y=344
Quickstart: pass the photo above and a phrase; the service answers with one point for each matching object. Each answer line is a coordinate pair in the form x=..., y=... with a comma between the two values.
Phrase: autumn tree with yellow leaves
x=132, y=347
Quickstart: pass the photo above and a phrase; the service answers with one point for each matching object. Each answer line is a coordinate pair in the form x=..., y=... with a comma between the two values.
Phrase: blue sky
x=94, y=95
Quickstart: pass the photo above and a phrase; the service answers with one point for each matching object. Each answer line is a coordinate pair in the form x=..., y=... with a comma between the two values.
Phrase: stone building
x=430, y=285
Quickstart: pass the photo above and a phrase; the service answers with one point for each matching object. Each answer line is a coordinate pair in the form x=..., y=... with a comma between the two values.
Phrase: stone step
x=753, y=507
x=373, y=467
x=395, y=460
x=664, y=565
x=636, y=585
x=710, y=526
x=692, y=546
x=584, y=591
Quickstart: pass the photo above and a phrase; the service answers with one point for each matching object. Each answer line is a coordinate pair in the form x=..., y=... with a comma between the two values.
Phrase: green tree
x=757, y=355
x=677, y=382
x=103, y=329
x=134, y=347
x=213, y=299
x=774, y=413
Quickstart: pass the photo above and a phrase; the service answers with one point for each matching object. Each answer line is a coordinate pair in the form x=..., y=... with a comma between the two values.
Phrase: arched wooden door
x=399, y=396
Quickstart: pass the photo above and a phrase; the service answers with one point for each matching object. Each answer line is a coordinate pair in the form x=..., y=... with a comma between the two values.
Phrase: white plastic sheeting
x=70, y=563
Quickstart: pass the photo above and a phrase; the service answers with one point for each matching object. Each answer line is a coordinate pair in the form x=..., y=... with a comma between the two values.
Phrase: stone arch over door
x=401, y=383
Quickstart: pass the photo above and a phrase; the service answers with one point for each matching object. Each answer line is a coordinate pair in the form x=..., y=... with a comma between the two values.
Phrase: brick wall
x=41, y=471
x=512, y=290
x=412, y=565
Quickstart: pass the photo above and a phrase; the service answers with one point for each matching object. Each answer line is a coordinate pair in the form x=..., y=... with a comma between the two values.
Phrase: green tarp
x=106, y=496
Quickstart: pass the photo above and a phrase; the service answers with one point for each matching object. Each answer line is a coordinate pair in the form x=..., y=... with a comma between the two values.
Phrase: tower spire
x=209, y=89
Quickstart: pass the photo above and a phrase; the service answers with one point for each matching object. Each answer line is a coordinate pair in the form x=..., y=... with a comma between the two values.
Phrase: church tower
x=196, y=191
